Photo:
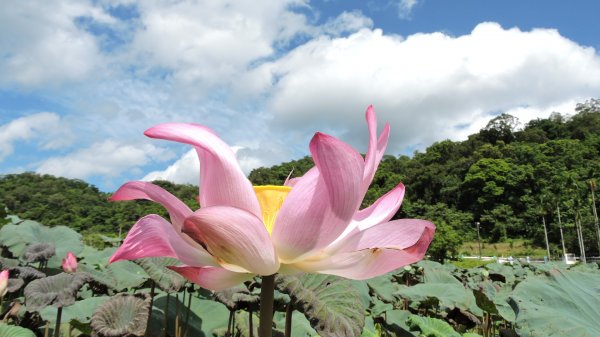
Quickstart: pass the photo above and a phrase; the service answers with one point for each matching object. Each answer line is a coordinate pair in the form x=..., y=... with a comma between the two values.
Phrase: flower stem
x=288, y=319
x=267, y=291
x=57, y=326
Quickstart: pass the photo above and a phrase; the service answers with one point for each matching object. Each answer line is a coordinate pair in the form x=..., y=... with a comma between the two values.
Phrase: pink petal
x=153, y=236
x=212, y=278
x=382, y=210
x=377, y=250
x=132, y=190
x=235, y=237
x=321, y=204
x=376, y=147
x=221, y=178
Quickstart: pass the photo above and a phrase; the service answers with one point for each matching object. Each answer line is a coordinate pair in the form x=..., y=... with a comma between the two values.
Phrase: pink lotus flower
x=3, y=282
x=69, y=263
x=311, y=225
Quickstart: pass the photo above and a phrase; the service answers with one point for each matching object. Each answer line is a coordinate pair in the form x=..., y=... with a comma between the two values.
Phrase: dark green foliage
x=57, y=201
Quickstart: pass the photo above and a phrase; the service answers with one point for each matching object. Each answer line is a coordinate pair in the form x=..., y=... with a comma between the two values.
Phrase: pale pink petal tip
x=212, y=278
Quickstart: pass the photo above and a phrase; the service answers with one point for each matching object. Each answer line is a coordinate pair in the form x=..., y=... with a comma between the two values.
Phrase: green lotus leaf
x=431, y=327
x=383, y=287
x=39, y=252
x=379, y=307
x=80, y=311
x=472, y=334
x=8, y=263
x=205, y=316
x=122, y=315
x=395, y=321
x=502, y=273
x=59, y=290
x=563, y=304
x=443, y=288
x=126, y=274
x=14, y=331
x=301, y=327
x=17, y=237
x=332, y=304
x=370, y=329
x=96, y=258
x=165, y=278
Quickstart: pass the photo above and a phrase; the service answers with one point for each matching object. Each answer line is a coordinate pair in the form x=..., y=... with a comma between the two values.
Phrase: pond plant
x=295, y=260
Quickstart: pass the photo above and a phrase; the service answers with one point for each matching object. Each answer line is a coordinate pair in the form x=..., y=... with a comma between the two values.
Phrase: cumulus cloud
x=45, y=127
x=41, y=43
x=206, y=43
x=429, y=86
x=108, y=158
x=185, y=170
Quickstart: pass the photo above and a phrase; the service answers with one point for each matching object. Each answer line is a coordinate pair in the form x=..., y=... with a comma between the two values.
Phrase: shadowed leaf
x=165, y=278
x=237, y=298
x=331, y=304
x=122, y=315
x=58, y=290
x=39, y=252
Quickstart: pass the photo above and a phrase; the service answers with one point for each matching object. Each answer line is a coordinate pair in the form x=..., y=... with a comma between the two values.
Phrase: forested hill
x=506, y=177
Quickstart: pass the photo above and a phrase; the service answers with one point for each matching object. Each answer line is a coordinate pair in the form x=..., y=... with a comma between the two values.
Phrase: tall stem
x=267, y=291
x=150, y=308
x=288, y=319
x=57, y=326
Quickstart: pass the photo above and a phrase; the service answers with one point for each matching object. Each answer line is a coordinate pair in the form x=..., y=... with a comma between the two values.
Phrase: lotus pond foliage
x=146, y=298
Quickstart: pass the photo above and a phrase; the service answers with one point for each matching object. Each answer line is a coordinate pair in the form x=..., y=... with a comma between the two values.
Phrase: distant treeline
x=506, y=177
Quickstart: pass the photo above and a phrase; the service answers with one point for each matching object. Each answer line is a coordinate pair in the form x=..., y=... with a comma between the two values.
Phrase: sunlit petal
x=153, y=236
x=132, y=190
x=222, y=181
x=322, y=203
x=377, y=250
x=235, y=237
x=212, y=278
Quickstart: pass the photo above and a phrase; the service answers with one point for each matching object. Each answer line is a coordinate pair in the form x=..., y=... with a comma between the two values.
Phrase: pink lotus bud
x=3, y=282
x=69, y=263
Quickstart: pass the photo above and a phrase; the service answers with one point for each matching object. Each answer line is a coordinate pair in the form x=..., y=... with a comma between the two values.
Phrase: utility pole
x=592, y=188
x=478, y=239
x=546, y=235
x=562, y=238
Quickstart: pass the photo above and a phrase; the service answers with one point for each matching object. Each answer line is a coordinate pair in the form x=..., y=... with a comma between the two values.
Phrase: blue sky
x=81, y=80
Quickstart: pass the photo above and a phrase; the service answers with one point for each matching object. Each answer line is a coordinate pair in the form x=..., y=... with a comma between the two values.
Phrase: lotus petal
x=222, y=181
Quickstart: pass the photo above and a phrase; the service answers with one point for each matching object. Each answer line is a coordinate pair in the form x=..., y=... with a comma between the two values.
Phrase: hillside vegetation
x=508, y=177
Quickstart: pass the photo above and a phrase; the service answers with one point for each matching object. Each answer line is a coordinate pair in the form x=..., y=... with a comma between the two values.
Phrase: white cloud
x=207, y=43
x=346, y=22
x=45, y=127
x=405, y=8
x=41, y=44
x=185, y=170
x=108, y=158
x=429, y=86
